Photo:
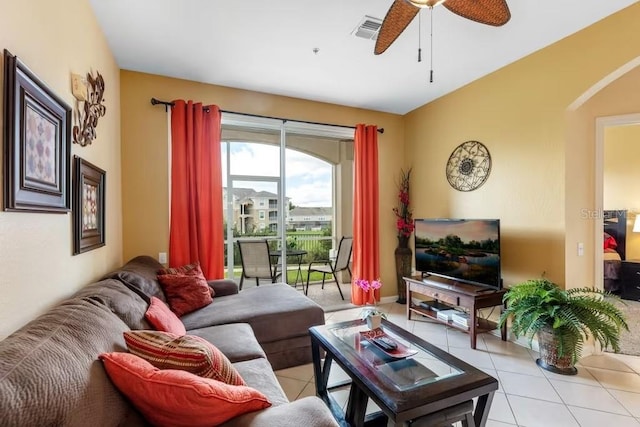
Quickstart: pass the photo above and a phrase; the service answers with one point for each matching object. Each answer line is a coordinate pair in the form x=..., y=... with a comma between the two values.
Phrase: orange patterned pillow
x=179, y=398
x=189, y=353
x=163, y=319
x=186, y=292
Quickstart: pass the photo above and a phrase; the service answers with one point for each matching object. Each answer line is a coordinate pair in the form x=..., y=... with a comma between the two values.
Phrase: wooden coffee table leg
x=481, y=412
x=321, y=385
x=356, y=406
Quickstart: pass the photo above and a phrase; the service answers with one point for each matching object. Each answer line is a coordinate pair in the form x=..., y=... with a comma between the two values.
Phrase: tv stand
x=456, y=294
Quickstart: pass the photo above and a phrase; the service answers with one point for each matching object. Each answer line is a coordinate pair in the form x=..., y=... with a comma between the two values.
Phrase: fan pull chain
x=419, y=36
x=431, y=29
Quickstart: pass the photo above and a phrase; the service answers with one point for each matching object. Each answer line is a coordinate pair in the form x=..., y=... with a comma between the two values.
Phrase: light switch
x=162, y=257
x=580, y=249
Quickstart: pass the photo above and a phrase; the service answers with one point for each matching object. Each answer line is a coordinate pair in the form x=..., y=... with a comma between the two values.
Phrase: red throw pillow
x=186, y=269
x=189, y=353
x=609, y=242
x=179, y=398
x=186, y=292
x=163, y=319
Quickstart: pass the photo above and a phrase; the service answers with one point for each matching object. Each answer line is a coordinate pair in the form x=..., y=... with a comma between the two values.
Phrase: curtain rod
x=166, y=104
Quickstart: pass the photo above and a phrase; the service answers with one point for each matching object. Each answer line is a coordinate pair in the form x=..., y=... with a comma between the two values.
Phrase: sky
x=467, y=230
x=308, y=180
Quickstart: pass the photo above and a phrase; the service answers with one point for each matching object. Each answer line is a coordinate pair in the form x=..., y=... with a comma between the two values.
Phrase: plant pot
x=549, y=358
x=374, y=321
x=403, y=269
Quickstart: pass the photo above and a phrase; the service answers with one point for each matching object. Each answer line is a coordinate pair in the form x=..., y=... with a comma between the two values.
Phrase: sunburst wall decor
x=469, y=166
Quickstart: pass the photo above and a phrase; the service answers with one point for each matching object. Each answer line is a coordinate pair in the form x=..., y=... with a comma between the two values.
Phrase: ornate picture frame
x=88, y=206
x=37, y=143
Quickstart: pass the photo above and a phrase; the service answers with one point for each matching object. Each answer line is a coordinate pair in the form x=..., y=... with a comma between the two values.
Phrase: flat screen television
x=466, y=250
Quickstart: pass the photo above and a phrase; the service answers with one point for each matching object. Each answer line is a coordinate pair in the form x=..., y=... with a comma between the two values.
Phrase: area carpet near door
x=630, y=341
x=329, y=297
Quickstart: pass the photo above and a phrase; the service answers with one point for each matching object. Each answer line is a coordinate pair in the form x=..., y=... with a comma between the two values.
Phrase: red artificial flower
x=404, y=217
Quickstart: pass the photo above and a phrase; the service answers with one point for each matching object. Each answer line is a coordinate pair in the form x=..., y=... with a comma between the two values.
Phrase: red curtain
x=196, y=188
x=366, y=254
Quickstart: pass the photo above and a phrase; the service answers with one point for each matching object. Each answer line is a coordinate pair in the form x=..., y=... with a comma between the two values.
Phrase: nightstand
x=630, y=280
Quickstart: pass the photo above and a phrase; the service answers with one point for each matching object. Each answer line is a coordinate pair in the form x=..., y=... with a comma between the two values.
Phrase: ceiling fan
x=402, y=12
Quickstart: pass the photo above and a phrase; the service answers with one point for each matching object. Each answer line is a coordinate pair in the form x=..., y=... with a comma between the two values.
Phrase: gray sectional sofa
x=50, y=373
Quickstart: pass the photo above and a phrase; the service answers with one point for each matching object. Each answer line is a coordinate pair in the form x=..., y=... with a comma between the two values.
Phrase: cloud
x=308, y=179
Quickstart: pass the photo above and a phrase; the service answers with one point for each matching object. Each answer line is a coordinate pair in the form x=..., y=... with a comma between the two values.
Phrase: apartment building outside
x=309, y=218
x=253, y=211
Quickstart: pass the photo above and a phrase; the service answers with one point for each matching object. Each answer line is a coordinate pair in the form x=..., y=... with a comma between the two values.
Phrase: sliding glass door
x=253, y=187
x=287, y=183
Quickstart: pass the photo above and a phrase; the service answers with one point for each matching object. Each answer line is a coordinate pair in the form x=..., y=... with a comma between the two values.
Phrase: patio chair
x=330, y=267
x=256, y=262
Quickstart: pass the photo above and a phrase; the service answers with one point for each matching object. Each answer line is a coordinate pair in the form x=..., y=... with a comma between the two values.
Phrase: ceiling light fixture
x=425, y=3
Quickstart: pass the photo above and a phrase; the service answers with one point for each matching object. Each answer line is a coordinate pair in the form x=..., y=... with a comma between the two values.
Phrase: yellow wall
x=614, y=100
x=543, y=152
x=621, y=178
x=543, y=156
x=37, y=266
x=145, y=162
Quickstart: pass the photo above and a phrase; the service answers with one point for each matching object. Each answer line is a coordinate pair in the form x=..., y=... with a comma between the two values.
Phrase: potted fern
x=562, y=319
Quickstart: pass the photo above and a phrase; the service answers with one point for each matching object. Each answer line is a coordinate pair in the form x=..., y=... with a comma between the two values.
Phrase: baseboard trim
x=386, y=300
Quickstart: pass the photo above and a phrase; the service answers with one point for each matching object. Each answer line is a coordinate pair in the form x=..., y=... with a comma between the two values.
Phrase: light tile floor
x=606, y=391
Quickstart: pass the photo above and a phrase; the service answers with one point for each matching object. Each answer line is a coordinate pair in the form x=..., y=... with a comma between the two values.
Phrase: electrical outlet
x=162, y=257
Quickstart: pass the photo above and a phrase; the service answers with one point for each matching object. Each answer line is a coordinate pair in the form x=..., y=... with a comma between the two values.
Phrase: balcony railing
x=315, y=244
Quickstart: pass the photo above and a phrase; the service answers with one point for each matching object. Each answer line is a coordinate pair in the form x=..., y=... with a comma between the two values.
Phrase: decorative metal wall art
x=92, y=109
x=37, y=143
x=469, y=166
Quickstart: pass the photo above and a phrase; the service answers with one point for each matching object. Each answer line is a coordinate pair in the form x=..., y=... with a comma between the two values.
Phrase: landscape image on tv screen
x=464, y=249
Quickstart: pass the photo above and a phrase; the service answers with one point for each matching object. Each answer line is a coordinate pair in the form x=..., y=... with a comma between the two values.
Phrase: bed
x=615, y=239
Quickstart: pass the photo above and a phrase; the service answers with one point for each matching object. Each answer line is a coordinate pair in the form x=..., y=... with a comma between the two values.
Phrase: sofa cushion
x=257, y=373
x=274, y=311
x=163, y=319
x=193, y=354
x=235, y=340
x=308, y=412
x=140, y=275
x=50, y=373
x=179, y=398
x=223, y=287
x=122, y=301
x=186, y=292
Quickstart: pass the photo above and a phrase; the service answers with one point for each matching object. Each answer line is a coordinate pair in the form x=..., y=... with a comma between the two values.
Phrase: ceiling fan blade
x=490, y=12
x=398, y=17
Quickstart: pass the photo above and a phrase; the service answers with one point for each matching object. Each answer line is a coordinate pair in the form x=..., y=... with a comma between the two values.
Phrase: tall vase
x=403, y=255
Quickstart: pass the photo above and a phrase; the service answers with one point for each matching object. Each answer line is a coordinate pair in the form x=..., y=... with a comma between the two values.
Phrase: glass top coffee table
x=413, y=381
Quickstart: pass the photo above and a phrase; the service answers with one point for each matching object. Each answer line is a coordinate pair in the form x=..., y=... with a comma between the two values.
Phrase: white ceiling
x=267, y=46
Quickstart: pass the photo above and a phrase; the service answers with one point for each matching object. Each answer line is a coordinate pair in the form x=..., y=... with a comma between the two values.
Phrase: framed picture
x=37, y=143
x=88, y=206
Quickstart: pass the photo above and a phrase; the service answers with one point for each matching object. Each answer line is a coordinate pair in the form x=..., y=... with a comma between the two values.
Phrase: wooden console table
x=456, y=294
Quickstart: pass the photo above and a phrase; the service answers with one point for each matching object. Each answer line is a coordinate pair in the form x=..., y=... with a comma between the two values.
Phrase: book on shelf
x=434, y=305
x=446, y=315
x=461, y=319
